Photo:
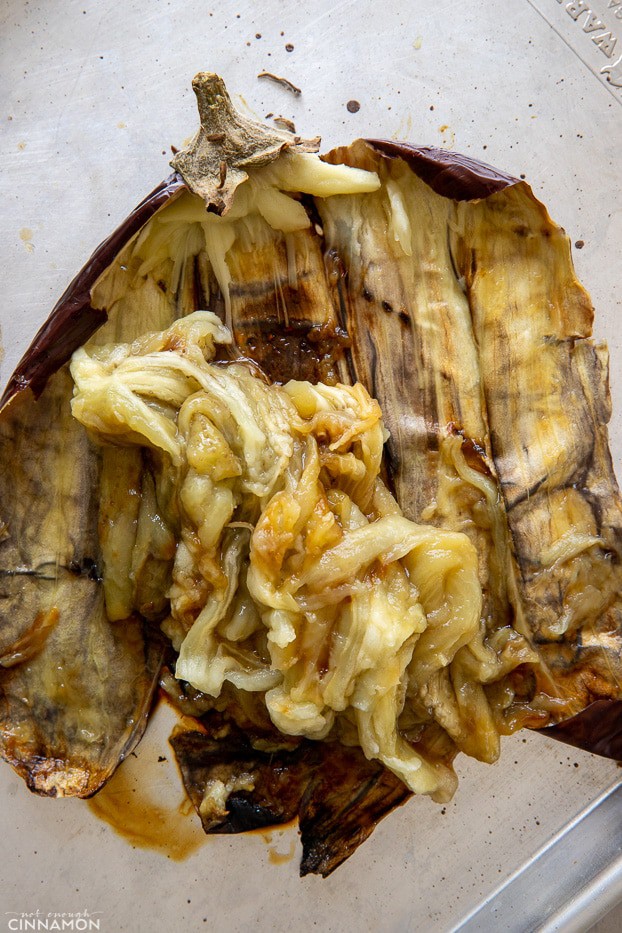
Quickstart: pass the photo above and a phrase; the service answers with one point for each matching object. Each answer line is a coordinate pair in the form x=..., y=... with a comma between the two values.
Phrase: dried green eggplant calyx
x=227, y=145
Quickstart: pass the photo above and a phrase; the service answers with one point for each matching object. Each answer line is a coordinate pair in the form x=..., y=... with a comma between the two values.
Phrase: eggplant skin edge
x=73, y=320
x=596, y=729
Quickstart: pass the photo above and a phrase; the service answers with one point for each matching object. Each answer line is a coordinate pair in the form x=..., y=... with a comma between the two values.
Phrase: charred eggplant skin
x=337, y=795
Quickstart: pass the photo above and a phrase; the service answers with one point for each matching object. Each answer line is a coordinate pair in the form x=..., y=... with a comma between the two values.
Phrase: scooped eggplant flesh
x=446, y=291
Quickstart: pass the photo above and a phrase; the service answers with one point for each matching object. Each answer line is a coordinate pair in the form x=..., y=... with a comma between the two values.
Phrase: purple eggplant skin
x=596, y=729
x=449, y=174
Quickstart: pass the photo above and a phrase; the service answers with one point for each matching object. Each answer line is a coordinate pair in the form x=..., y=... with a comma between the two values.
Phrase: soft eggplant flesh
x=450, y=294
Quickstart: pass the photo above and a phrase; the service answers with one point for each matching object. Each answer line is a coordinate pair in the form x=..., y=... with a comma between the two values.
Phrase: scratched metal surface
x=93, y=94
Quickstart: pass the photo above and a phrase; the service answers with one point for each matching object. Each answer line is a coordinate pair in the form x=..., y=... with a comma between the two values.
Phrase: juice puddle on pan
x=145, y=802
x=280, y=858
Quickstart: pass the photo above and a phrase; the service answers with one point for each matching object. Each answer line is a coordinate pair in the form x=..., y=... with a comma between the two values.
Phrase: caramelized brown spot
x=299, y=350
x=473, y=452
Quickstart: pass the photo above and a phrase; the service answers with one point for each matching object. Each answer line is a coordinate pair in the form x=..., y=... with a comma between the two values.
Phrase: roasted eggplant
x=383, y=284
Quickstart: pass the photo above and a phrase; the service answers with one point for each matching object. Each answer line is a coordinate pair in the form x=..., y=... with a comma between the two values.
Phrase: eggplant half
x=386, y=274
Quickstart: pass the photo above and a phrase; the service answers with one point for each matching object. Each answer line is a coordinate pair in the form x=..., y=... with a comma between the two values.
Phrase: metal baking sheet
x=93, y=95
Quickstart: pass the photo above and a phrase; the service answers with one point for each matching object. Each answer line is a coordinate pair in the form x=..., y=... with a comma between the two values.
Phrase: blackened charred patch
x=277, y=780
x=391, y=466
x=373, y=355
x=336, y=278
x=337, y=794
x=450, y=253
x=537, y=638
x=269, y=784
x=472, y=265
x=308, y=202
x=245, y=814
x=85, y=567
